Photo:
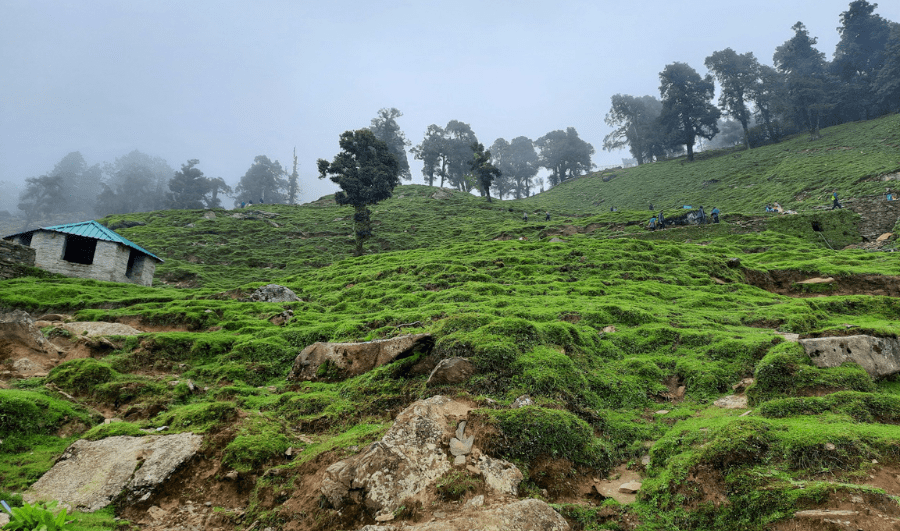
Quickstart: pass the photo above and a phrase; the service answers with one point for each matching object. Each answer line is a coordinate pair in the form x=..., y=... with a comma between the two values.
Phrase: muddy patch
x=802, y=283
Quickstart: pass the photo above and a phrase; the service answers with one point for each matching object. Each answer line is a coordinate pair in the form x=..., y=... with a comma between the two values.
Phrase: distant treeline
x=758, y=105
x=802, y=91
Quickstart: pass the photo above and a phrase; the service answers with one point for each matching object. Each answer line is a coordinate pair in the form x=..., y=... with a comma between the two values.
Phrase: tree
x=687, y=113
x=635, y=123
x=767, y=95
x=80, y=183
x=432, y=155
x=858, y=57
x=216, y=185
x=888, y=79
x=44, y=195
x=564, y=154
x=386, y=129
x=482, y=169
x=518, y=163
x=446, y=151
x=264, y=182
x=293, y=183
x=188, y=187
x=805, y=74
x=134, y=183
x=367, y=173
x=737, y=75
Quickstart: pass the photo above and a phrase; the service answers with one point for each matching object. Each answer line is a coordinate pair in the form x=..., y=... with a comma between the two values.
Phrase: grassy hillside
x=601, y=329
x=799, y=173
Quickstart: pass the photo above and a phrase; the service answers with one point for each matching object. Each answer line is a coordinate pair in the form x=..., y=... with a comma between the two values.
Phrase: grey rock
x=451, y=371
x=879, y=356
x=344, y=360
x=274, y=293
x=499, y=475
x=522, y=401
x=404, y=462
x=209, y=214
x=732, y=402
x=523, y=515
x=461, y=445
x=91, y=473
x=630, y=488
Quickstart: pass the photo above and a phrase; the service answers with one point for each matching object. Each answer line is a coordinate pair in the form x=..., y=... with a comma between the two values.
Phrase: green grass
x=598, y=330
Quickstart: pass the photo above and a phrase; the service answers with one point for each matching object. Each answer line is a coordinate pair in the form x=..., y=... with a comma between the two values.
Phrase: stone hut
x=89, y=250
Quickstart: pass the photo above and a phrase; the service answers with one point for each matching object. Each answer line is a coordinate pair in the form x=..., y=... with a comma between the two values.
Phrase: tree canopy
x=135, y=182
x=564, y=154
x=446, y=151
x=188, y=187
x=482, y=169
x=636, y=126
x=264, y=182
x=737, y=75
x=805, y=77
x=367, y=173
x=386, y=129
x=518, y=164
x=687, y=112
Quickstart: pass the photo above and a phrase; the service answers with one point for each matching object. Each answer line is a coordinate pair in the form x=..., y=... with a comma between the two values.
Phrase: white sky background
x=225, y=81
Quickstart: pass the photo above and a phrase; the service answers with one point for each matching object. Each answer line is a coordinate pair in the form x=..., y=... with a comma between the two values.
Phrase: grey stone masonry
x=14, y=258
x=109, y=261
x=877, y=214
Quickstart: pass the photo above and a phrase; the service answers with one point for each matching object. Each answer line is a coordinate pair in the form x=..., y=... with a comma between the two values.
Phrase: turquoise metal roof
x=92, y=229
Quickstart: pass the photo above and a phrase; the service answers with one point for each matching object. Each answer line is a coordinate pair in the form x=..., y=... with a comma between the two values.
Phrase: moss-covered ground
x=598, y=329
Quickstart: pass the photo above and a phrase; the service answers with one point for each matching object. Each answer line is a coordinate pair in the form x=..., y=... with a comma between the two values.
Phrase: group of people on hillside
x=659, y=221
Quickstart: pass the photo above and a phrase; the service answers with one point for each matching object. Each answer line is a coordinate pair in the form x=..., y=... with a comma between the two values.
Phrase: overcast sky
x=224, y=81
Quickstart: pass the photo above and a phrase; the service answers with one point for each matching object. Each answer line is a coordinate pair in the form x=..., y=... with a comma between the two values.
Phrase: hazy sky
x=224, y=81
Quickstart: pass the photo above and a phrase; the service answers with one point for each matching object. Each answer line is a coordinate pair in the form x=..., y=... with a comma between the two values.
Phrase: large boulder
x=411, y=457
x=879, y=356
x=451, y=371
x=274, y=293
x=90, y=474
x=523, y=515
x=330, y=361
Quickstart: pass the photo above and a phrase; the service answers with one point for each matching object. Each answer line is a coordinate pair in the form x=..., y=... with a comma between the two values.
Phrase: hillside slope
x=668, y=357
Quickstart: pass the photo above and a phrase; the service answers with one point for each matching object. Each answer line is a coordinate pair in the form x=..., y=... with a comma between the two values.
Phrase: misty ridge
x=758, y=104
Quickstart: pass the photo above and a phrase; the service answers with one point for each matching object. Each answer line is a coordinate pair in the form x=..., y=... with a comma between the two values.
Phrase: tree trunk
x=690, y=150
x=746, y=134
x=362, y=226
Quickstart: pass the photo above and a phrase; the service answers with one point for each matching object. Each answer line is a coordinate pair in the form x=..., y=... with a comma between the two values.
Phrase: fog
x=223, y=82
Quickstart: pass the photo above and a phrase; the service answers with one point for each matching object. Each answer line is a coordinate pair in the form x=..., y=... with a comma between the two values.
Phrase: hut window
x=79, y=250
x=25, y=239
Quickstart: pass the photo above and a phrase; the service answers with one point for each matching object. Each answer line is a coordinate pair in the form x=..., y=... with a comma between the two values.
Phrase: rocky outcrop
x=15, y=259
x=524, y=515
x=879, y=356
x=333, y=361
x=451, y=371
x=92, y=328
x=90, y=474
x=411, y=457
x=22, y=343
x=405, y=461
x=273, y=293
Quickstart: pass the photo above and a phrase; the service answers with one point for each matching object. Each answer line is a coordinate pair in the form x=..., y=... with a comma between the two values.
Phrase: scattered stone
x=645, y=460
x=733, y=262
x=499, y=475
x=55, y=317
x=461, y=445
x=91, y=329
x=385, y=517
x=209, y=214
x=661, y=412
x=745, y=413
x=330, y=361
x=475, y=502
x=451, y=371
x=273, y=293
x=522, y=401
x=609, y=329
x=830, y=447
x=856, y=499
x=90, y=474
x=793, y=338
x=884, y=237
x=742, y=386
x=459, y=460
x=824, y=513
x=732, y=402
x=233, y=475
x=630, y=488
x=523, y=515
x=879, y=356
x=817, y=280
x=556, y=240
